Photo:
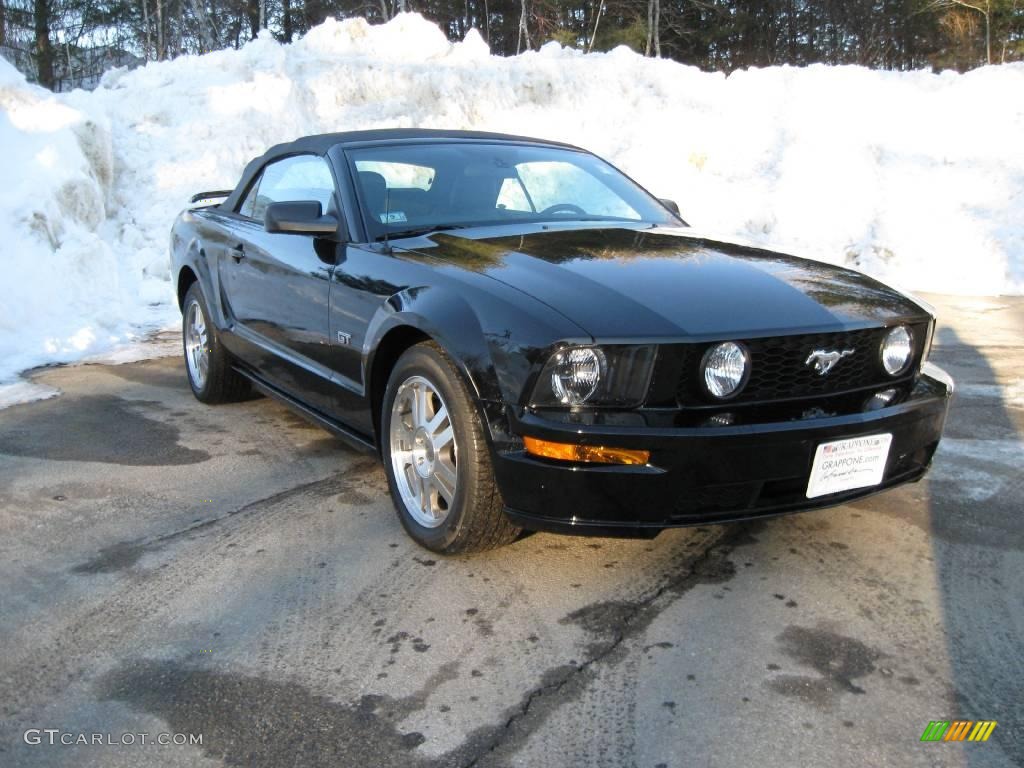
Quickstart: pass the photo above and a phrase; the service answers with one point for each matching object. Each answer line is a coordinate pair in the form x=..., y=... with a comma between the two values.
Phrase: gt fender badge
x=344, y=338
x=823, y=361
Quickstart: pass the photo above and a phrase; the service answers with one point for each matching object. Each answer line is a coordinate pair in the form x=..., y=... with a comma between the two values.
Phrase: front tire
x=210, y=374
x=437, y=458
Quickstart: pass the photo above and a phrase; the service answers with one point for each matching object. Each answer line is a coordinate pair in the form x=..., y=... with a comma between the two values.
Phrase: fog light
x=584, y=453
x=720, y=420
x=725, y=368
x=897, y=350
x=880, y=400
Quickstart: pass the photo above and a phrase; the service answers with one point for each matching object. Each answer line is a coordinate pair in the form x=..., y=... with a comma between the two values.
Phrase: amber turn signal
x=586, y=453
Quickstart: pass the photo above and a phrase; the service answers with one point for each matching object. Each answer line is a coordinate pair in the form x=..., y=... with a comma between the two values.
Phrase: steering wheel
x=563, y=208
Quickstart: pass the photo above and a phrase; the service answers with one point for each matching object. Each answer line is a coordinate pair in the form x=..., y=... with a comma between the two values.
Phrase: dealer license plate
x=843, y=465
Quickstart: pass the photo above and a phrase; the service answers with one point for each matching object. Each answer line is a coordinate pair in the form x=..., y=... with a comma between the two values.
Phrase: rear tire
x=208, y=364
x=437, y=458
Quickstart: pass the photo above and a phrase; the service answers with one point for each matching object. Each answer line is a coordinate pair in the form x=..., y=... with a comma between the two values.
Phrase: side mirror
x=303, y=217
x=670, y=204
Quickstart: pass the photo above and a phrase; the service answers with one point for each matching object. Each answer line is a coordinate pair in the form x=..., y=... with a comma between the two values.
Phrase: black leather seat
x=475, y=195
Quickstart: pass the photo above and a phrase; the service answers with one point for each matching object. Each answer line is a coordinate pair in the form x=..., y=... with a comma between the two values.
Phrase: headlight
x=897, y=350
x=725, y=369
x=576, y=374
x=608, y=376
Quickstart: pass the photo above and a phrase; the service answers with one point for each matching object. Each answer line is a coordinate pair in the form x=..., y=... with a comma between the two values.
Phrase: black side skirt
x=353, y=438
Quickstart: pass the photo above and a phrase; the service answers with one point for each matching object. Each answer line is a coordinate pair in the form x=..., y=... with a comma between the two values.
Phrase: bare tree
x=161, y=52
x=287, y=30
x=43, y=46
x=657, y=28
x=148, y=30
x=207, y=31
x=1002, y=55
x=524, y=32
x=985, y=9
x=597, y=20
x=653, y=31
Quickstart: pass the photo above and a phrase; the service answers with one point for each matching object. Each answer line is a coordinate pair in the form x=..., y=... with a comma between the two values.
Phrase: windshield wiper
x=420, y=231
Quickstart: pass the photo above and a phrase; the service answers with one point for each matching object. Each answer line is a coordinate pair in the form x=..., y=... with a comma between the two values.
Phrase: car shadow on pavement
x=977, y=539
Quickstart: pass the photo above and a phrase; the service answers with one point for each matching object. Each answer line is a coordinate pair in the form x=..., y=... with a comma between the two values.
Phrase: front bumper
x=707, y=474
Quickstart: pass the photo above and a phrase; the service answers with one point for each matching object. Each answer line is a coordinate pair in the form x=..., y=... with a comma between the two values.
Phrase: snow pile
x=912, y=177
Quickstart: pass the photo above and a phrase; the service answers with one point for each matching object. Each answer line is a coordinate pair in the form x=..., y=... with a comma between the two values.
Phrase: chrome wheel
x=197, y=350
x=423, y=451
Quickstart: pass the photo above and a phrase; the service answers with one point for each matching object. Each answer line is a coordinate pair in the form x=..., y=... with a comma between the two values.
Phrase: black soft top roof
x=320, y=144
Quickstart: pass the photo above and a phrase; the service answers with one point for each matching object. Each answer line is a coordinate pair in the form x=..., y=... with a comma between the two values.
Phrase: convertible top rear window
x=423, y=186
x=399, y=175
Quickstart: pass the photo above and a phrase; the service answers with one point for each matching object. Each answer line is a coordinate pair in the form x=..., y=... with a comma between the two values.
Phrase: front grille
x=779, y=370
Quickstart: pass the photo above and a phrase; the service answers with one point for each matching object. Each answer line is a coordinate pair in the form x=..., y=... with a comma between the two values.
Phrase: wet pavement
x=232, y=571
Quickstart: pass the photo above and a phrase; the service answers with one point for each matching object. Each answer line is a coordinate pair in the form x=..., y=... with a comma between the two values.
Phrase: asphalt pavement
x=235, y=574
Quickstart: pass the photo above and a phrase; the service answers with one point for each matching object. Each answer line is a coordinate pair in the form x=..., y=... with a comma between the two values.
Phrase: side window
x=249, y=203
x=553, y=182
x=303, y=177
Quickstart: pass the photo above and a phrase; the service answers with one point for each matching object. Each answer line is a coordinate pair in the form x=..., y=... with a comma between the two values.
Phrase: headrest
x=374, y=189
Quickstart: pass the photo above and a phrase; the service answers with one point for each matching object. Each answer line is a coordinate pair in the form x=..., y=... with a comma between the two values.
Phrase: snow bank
x=913, y=177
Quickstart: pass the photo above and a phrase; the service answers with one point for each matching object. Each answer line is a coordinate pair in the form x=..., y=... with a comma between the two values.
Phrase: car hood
x=658, y=283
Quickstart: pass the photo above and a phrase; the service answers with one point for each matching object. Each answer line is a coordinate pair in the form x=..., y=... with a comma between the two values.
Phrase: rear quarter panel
x=199, y=241
x=192, y=235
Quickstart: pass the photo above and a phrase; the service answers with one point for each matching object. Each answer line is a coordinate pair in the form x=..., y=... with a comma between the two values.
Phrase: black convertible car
x=529, y=339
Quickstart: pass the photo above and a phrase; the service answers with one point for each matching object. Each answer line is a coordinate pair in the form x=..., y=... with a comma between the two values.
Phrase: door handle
x=238, y=253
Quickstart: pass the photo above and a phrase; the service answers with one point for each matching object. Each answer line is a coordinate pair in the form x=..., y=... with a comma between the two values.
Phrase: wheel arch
x=186, y=276
x=391, y=347
x=193, y=266
x=430, y=314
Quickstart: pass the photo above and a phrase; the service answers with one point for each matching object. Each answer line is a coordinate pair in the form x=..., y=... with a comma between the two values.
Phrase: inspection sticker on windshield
x=847, y=464
x=393, y=217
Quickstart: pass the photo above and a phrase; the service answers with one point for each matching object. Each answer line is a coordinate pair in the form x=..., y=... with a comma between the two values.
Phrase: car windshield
x=415, y=188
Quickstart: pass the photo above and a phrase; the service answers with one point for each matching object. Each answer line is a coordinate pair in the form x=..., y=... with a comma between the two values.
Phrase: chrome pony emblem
x=823, y=361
